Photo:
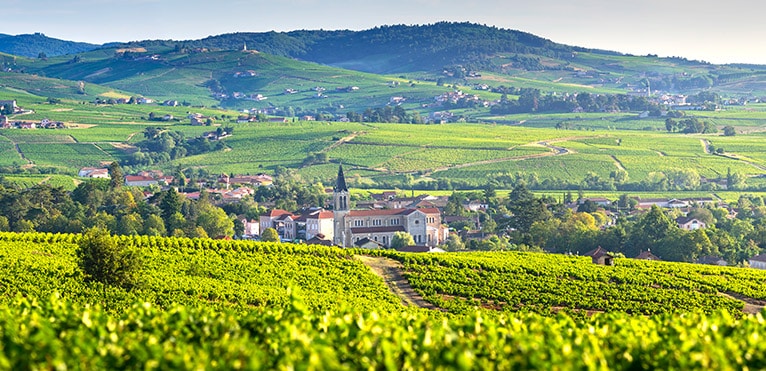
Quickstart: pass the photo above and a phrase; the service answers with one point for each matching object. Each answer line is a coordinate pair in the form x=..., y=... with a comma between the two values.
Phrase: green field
x=472, y=154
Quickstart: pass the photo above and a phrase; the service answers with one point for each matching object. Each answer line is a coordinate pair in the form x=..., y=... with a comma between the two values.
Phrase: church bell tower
x=340, y=197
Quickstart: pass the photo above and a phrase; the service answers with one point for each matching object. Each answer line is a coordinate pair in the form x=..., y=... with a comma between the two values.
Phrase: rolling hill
x=315, y=71
x=38, y=44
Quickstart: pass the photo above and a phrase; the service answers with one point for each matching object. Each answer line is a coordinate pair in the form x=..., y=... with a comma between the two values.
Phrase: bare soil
x=391, y=272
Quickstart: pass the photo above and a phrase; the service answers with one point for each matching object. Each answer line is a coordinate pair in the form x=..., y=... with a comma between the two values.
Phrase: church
x=352, y=226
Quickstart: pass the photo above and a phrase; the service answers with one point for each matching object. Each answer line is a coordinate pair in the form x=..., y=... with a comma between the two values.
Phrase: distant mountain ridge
x=32, y=45
x=388, y=49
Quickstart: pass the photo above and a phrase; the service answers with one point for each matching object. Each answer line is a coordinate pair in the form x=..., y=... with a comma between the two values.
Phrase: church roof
x=340, y=183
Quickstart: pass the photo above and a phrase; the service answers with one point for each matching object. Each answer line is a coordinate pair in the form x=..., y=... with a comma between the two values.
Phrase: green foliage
x=186, y=337
x=104, y=260
x=270, y=235
x=401, y=239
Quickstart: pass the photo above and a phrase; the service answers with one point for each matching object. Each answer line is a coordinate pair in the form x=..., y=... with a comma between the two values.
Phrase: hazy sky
x=714, y=31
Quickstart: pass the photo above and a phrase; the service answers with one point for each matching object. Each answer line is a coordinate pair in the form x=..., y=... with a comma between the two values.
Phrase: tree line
x=522, y=221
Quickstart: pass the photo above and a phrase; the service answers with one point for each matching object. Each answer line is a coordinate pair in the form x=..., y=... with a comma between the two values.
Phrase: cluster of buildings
x=148, y=178
x=367, y=228
x=5, y=123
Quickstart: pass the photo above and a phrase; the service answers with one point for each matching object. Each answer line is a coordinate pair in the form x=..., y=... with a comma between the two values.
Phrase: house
x=191, y=195
x=4, y=123
x=320, y=223
x=600, y=201
x=712, y=260
x=758, y=261
x=386, y=195
x=319, y=240
x=278, y=119
x=600, y=256
x=139, y=181
x=647, y=255
x=252, y=227
x=198, y=120
x=276, y=219
x=255, y=180
x=367, y=243
x=27, y=125
x=93, y=172
x=689, y=224
x=170, y=103
x=647, y=203
x=10, y=103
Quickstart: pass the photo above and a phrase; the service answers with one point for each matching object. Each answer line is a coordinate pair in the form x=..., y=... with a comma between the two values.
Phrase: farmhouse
x=689, y=224
x=600, y=256
x=139, y=181
x=93, y=172
x=712, y=260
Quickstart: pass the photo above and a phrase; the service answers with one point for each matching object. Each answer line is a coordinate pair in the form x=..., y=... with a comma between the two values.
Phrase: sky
x=713, y=31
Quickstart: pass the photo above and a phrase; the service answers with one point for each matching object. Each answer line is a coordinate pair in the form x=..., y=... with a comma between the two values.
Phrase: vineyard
x=244, y=305
x=548, y=282
x=219, y=274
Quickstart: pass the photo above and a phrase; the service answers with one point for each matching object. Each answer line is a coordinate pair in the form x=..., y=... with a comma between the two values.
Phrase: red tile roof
x=278, y=212
x=321, y=215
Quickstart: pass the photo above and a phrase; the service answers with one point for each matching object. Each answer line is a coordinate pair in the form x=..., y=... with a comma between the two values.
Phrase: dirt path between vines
x=752, y=306
x=391, y=272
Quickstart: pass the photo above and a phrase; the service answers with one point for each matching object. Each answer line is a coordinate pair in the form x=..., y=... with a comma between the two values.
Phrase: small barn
x=601, y=256
x=647, y=255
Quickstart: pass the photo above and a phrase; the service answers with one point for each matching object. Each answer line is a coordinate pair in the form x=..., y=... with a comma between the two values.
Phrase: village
x=375, y=222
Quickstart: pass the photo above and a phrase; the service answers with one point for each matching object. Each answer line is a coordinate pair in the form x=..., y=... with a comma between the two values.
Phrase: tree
x=270, y=235
x=103, y=260
x=729, y=131
x=402, y=239
x=454, y=242
x=215, y=222
x=116, y=175
x=170, y=206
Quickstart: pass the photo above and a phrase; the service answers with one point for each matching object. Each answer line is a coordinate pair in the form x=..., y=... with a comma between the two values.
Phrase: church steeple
x=340, y=183
x=340, y=192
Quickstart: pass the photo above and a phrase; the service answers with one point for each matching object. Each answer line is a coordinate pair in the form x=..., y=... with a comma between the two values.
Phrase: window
x=358, y=223
x=384, y=240
x=394, y=221
x=377, y=222
x=417, y=221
